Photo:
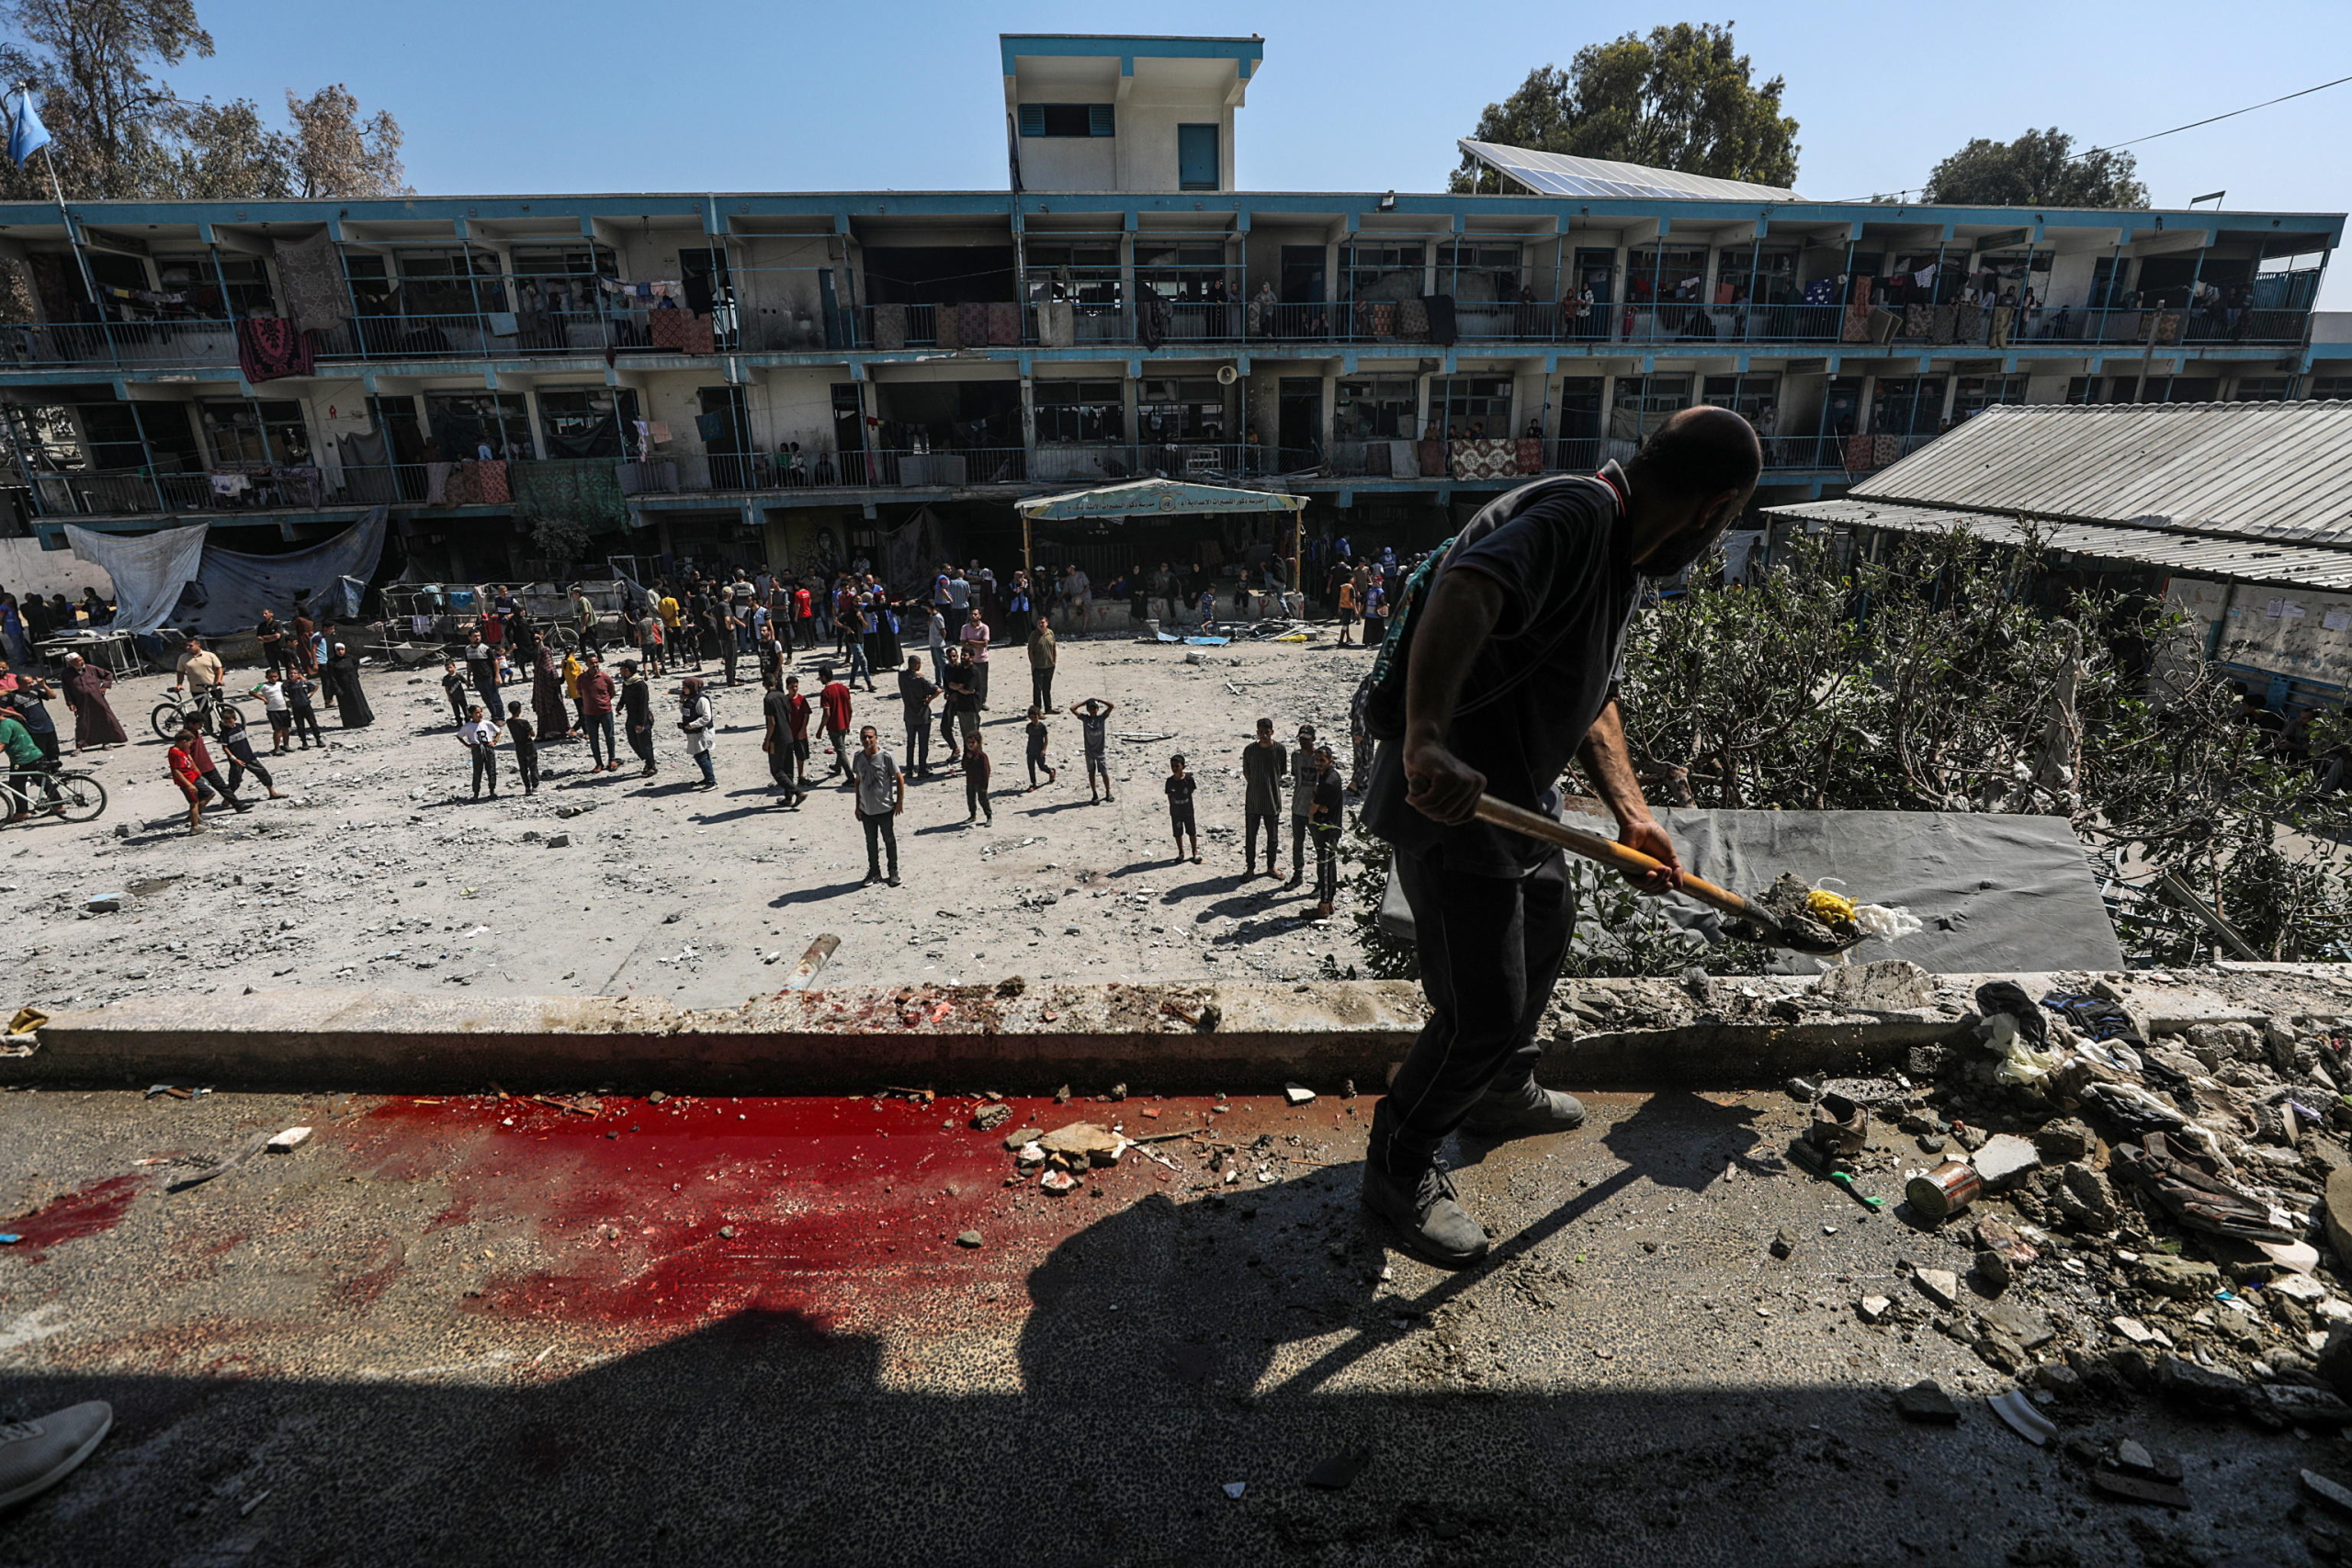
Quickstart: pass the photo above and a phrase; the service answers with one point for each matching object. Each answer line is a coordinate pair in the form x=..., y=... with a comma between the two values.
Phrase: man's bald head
x=1698, y=453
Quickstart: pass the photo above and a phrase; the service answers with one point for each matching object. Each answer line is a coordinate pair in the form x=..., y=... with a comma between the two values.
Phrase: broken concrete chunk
x=2022, y=1323
x=2187, y=1279
x=1926, y=1401
x=1783, y=1243
x=1940, y=1285
x=286, y=1143
x=2063, y=1140
x=1873, y=1309
x=989, y=1118
x=106, y=903
x=1298, y=1094
x=2005, y=1159
x=968, y=1239
x=2086, y=1200
x=1891, y=985
x=1084, y=1143
x=1016, y=1142
x=2327, y=1491
x=1059, y=1182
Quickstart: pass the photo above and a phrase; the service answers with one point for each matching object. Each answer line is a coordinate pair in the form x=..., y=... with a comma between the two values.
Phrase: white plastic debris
x=286, y=1143
x=1887, y=922
x=2023, y=1419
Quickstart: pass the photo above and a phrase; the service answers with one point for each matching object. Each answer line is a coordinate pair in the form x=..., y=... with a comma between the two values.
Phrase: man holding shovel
x=1504, y=669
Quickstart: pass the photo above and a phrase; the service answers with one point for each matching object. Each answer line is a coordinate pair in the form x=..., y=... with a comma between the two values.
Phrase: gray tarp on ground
x=174, y=577
x=1996, y=892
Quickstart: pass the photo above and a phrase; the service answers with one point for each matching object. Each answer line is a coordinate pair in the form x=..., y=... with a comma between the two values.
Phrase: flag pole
x=57, y=188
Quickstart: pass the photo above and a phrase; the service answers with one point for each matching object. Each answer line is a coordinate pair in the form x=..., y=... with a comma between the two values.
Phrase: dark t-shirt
x=776, y=707
x=1328, y=796
x=1559, y=550
x=914, y=697
x=963, y=688
x=1180, y=791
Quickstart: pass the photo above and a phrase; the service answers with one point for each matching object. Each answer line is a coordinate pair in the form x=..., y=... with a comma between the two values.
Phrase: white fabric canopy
x=150, y=571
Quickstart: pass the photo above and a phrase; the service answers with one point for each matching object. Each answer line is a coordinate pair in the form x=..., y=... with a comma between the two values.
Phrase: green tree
x=2039, y=169
x=117, y=130
x=1683, y=98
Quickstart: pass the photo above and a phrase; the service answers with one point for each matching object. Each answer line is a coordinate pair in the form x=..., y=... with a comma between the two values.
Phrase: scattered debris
x=1940, y=1285
x=968, y=1239
x=1059, y=1182
x=286, y=1142
x=1926, y=1401
x=989, y=1118
x=1298, y=1094
x=2013, y=1407
x=1234, y=1489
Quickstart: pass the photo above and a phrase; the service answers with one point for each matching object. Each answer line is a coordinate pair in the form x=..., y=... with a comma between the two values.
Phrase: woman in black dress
x=342, y=676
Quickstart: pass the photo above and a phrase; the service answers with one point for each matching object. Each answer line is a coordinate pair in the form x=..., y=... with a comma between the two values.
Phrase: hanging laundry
x=309, y=283
x=947, y=327
x=889, y=327
x=1821, y=291
x=268, y=347
x=231, y=485
x=1004, y=324
x=1413, y=319
x=1057, y=324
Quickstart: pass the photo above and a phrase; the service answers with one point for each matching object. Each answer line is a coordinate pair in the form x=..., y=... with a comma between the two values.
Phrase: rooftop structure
x=785, y=377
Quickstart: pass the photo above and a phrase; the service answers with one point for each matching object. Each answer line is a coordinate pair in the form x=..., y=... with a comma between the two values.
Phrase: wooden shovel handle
x=1609, y=852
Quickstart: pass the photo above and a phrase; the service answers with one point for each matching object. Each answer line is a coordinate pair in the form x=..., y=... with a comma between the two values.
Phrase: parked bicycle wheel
x=167, y=719
x=80, y=797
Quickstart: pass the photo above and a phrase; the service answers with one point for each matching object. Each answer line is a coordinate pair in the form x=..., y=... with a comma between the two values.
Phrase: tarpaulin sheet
x=149, y=570
x=174, y=578
x=232, y=588
x=1995, y=892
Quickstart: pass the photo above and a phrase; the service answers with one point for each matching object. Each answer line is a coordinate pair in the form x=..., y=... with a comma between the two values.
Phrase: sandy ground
x=378, y=870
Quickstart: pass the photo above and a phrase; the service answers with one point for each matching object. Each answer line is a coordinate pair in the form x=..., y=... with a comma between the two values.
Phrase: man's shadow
x=1204, y=1293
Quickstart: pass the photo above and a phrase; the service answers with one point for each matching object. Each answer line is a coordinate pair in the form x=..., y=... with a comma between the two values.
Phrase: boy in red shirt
x=835, y=699
x=198, y=777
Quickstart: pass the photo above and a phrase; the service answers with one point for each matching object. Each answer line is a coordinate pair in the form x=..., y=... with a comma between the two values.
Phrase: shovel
x=1633, y=863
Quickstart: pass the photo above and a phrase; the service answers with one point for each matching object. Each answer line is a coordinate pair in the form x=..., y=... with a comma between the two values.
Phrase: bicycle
x=76, y=797
x=206, y=708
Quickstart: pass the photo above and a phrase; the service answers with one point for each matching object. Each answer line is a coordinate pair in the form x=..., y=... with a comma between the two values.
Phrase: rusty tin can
x=1945, y=1190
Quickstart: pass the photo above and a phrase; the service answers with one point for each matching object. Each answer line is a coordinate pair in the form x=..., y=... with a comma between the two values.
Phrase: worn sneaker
x=1430, y=1225
x=1511, y=1113
x=37, y=1455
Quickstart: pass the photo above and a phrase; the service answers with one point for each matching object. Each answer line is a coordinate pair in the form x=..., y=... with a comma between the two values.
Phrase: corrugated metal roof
x=2191, y=555
x=2270, y=471
x=1563, y=174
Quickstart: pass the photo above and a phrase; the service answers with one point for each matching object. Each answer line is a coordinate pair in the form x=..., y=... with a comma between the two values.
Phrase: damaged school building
x=529, y=382
x=2237, y=515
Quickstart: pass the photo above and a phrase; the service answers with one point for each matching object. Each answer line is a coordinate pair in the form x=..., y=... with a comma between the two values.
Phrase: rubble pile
x=2103, y=1207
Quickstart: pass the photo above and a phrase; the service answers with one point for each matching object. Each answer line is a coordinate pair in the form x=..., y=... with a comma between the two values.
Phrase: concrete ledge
x=1033, y=1038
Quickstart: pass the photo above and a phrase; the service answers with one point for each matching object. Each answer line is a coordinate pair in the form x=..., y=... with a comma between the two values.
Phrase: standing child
x=479, y=736
x=1324, y=825
x=1093, y=715
x=526, y=739
x=272, y=694
x=1180, y=786
x=300, y=688
x=453, y=686
x=975, y=782
x=1037, y=749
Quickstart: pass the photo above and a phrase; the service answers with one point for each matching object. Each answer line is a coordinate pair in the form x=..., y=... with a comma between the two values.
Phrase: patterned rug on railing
x=1491, y=459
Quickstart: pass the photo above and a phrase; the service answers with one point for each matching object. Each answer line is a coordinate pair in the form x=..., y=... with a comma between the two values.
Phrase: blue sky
x=708, y=94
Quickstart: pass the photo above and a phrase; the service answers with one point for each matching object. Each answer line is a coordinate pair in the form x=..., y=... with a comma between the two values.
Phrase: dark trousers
x=840, y=739
x=1041, y=690
x=1490, y=949
x=601, y=746
x=485, y=770
x=239, y=768
x=221, y=787
x=487, y=684
x=1249, y=839
x=1037, y=760
x=780, y=761
x=1180, y=822
x=881, y=833
x=975, y=799
x=980, y=679
x=918, y=752
x=306, y=728
x=279, y=659
x=641, y=742
x=1326, y=864
x=1297, y=847
x=526, y=763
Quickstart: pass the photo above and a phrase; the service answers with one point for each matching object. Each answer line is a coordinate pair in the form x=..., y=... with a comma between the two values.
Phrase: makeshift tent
x=1159, y=498
x=1996, y=891
x=175, y=576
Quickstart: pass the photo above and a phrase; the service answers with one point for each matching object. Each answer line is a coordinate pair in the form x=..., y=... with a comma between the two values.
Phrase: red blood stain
x=838, y=1208
x=70, y=1218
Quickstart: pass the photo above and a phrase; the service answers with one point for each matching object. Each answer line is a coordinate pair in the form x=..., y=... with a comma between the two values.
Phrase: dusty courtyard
x=378, y=870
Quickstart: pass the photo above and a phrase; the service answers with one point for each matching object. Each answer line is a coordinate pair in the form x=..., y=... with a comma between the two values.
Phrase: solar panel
x=1557, y=174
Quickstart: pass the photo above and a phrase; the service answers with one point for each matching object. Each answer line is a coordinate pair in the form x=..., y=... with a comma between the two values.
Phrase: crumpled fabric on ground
x=2094, y=1016
x=2131, y=1108
x=2007, y=996
x=2020, y=1063
x=2191, y=1189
